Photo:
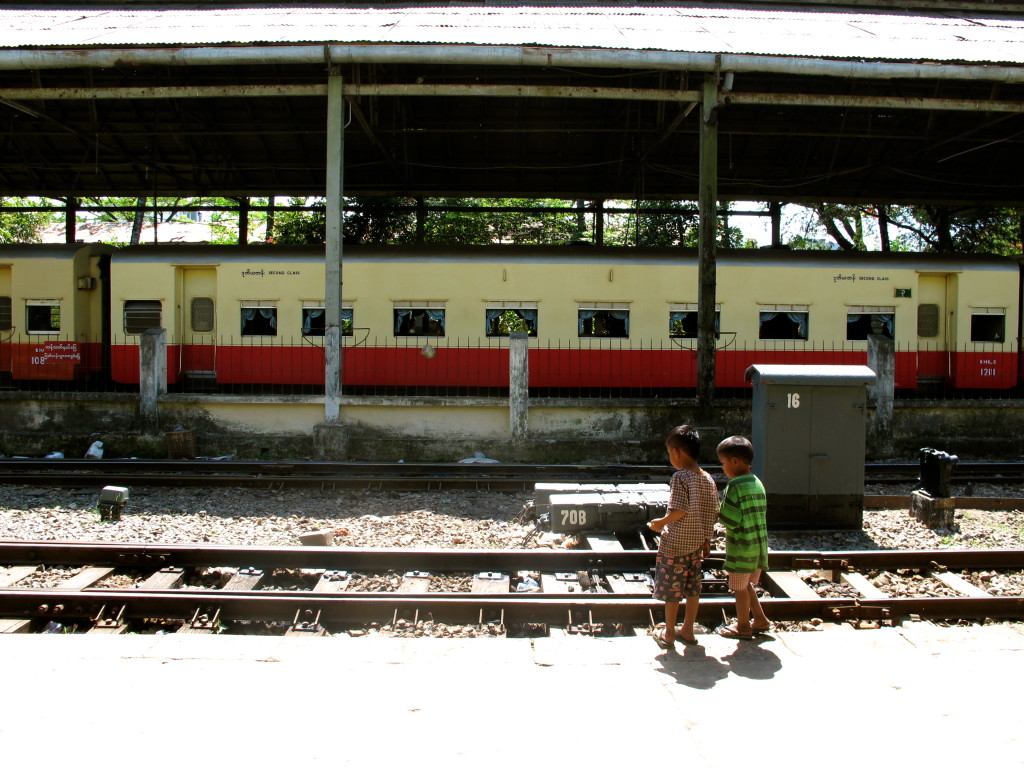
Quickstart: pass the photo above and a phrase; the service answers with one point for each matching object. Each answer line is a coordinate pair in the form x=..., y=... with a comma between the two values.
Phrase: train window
x=988, y=325
x=259, y=321
x=609, y=321
x=6, y=318
x=859, y=325
x=683, y=324
x=783, y=325
x=141, y=316
x=42, y=316
x=202, y=314
x=928, y=321
x=501, y=321
x=314, y=321
x=419, y=321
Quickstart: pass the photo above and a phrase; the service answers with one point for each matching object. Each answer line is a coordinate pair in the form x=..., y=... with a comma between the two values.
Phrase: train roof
x=743, y=257
x=12, y=251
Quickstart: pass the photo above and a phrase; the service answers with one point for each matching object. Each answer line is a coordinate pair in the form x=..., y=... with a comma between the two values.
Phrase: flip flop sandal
x=760, y=630
x=659, y=638
x=684, y=641
x=734, y=634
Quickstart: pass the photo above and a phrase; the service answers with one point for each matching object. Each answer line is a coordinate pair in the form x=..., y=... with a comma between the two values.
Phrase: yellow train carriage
x=596, y=317
x=51, y=311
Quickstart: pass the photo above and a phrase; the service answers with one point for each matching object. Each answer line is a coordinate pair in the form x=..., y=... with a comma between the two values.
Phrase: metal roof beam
x=13, y=96
x=498, y=55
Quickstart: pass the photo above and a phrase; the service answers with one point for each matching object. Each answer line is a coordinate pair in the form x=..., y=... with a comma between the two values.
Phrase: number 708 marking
x=574, y=517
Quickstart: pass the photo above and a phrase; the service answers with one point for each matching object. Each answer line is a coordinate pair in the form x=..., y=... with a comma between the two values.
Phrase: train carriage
x=52, y=326
x=609, y=318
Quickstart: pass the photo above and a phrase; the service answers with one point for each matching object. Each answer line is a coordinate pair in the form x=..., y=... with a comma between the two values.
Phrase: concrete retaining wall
x=448, y=429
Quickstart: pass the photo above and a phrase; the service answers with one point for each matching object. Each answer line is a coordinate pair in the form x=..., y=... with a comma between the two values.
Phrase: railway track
x=332, y=475
x=316, y=590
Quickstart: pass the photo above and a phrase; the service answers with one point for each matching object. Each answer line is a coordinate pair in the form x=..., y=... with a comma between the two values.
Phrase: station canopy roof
x=877, y=102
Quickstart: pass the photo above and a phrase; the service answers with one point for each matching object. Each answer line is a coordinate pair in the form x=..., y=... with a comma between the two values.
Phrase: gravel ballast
x=437, y=519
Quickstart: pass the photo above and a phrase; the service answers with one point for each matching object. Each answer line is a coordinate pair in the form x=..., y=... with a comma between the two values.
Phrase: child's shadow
x=752, y=660
x=693, y=667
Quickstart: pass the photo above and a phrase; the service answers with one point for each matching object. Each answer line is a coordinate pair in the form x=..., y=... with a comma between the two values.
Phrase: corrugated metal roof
x=861, y=34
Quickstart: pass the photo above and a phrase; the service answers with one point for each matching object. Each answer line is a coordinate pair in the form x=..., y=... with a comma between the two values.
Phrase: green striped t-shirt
x=744, y=513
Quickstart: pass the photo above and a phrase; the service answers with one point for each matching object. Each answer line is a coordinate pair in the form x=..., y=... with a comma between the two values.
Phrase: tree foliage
x=24, y=227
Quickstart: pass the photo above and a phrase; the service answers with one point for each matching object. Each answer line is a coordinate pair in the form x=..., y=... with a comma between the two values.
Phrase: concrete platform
x=841, y=697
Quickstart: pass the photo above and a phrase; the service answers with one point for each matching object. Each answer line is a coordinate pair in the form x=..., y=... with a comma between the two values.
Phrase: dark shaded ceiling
x=571, y=148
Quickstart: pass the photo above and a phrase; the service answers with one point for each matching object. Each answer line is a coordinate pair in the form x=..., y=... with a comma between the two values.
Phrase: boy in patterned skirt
x=686, y=532
x=743, y=513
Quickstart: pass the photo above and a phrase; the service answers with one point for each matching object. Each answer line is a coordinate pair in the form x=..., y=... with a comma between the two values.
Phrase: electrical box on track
x=808, y=429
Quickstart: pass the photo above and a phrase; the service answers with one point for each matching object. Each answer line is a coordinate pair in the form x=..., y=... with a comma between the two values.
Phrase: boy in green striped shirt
x=743, y=513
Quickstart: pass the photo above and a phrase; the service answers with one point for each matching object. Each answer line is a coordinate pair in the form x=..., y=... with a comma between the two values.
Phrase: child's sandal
x=732, y=632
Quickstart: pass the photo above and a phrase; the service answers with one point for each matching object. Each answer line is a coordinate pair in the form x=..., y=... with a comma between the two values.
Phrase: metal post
x=71, y=221
x=776, y=213
x=335, y=243
x=707, y=248
x=243, y=221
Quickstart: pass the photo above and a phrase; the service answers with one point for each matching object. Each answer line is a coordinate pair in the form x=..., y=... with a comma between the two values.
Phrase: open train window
x=682, y=322
x=6, y=319
x=259, y=320
x=503, y=319
x=42, y=316
x=784, y=325
x=604, y=321
x=141, y=316
x=202, y=314
x=988, y=324
x=314, y=321
x=419, y=320
x=862, y=322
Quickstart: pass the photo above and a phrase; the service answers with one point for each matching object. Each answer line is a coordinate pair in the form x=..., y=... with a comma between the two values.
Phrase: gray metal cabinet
x=808, y=430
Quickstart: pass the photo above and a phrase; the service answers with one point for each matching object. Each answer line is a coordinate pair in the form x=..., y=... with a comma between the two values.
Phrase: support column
x=881, y=394
x=518, y=384
x=71, y=220
x=776, y=213
x=243, y=221
x=599, y=222
x=707, y=249
x=330, y=437
x=335, y=245
x=152, y=376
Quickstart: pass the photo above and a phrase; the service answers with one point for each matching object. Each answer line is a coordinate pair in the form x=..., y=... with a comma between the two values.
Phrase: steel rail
x=464, y=607
x=166, y=472
x=463, y=560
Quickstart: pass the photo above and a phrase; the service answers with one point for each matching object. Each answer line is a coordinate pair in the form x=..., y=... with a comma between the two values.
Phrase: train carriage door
x=933, y=328
x=198, y=323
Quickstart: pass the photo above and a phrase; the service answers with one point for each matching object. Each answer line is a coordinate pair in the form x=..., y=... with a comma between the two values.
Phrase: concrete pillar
x=335, y=247
x=518, y=384
x=152, y=376
x=881, y=394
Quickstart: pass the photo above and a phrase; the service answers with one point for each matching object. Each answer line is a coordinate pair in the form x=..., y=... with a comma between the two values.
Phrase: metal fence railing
x=444, y=366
